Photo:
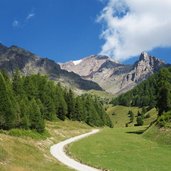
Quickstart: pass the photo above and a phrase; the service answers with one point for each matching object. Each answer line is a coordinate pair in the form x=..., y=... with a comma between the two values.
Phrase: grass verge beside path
x=122, y=149
x=28, y=151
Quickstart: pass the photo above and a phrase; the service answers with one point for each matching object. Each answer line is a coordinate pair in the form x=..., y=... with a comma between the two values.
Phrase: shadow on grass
x=136, y=132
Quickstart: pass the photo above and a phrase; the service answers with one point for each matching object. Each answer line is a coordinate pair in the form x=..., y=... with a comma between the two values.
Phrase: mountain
x=113, y=77
x=94, y=72
x=12, y=58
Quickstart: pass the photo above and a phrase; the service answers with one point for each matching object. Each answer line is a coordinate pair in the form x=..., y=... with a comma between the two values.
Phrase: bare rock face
x=113, y=77
x=87, y=66
x=13, y=58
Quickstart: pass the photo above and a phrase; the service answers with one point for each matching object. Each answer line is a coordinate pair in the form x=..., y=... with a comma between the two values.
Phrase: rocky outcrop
x=113, y=77
x=89, y=65
x=13, y=58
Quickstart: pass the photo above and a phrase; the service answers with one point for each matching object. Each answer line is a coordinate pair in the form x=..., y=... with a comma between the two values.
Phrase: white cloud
x=15, y=23
x=30, y=15
x=133, y=26
x=22, y=23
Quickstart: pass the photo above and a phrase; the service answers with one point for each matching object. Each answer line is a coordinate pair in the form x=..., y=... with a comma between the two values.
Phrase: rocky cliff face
x=113, y=77
x=13, y=58
x=88, y=66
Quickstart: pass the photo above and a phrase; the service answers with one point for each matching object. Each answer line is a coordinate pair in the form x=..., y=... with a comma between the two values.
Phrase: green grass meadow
x=22, y=150
x=119, y=115
x=122, y=149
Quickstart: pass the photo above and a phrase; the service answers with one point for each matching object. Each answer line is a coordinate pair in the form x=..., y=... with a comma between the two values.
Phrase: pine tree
x=25, y=118
x=71, y=105
x=164, y=91
x=140, y=121
x=7, y=111
x=79, y=109
x=37, y=121
x=17, y=83
x=62, y=109
x=50, y=112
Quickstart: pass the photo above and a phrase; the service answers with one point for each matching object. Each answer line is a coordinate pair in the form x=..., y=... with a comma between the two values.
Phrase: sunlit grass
x=29, y=151
x=122, y=149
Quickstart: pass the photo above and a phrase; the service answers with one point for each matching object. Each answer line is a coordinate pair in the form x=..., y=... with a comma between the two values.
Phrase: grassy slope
x=117, y=150
x=121, y=115
x=159, y=135
x=102, y=94
x=27, y=154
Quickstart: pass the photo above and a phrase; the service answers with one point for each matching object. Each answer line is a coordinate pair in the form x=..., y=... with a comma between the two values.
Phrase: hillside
x=146, y=93
x=23, y=150
x=120, y=115
x=114, y=77
x=26, y=102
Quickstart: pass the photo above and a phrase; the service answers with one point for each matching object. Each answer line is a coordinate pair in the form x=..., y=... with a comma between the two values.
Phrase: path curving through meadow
x=58, y=151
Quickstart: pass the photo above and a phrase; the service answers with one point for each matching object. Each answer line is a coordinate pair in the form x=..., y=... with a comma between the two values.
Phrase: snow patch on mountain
x=77, y=62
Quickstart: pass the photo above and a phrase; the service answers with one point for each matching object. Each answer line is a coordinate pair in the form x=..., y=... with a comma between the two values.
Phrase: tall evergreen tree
x=79, y=109
x=71, y=105
x=7, y=111
x=25, y=111
x=37, y=121
x=17, y=83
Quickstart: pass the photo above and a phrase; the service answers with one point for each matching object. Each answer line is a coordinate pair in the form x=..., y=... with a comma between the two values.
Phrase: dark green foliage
x=93, y=112
x=26, y=101
x=25, y=113
x=8, y=113
x=71, y=105
x=147, y=115
x=140, y=121
x=36, y=120
x=17, y=83
x=154, y=92
x=142, y=95
x=165, y=119
x=164, y=91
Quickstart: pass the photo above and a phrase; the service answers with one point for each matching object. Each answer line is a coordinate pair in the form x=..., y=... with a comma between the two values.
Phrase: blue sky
x=62, y=30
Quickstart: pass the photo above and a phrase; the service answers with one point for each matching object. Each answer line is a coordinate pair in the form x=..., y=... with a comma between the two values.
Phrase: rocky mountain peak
x=114, y=77
x=89, y=65
x=144, y=56
x=148, y=62
x=86, y=73
x=14, y=57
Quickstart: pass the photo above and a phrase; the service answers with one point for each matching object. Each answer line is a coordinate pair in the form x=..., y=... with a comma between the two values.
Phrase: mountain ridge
x=13, y=57
x=95, y=72
x=114, y=77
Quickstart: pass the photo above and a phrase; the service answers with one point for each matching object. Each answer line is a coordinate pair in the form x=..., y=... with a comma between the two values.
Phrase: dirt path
x=58, y=151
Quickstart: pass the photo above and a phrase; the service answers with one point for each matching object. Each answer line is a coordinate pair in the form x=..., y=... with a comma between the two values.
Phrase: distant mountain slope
x=113, y=77
x=147, y=92
x=14, y=57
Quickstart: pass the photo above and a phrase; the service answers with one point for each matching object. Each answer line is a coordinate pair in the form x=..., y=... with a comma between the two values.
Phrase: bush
x=148, y=116
x=126, y=125
x=164, y=119
x=140, y=121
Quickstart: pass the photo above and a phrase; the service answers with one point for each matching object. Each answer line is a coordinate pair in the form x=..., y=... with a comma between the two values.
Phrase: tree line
x=153, y=92
x=144, y=94
x=27, y=101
